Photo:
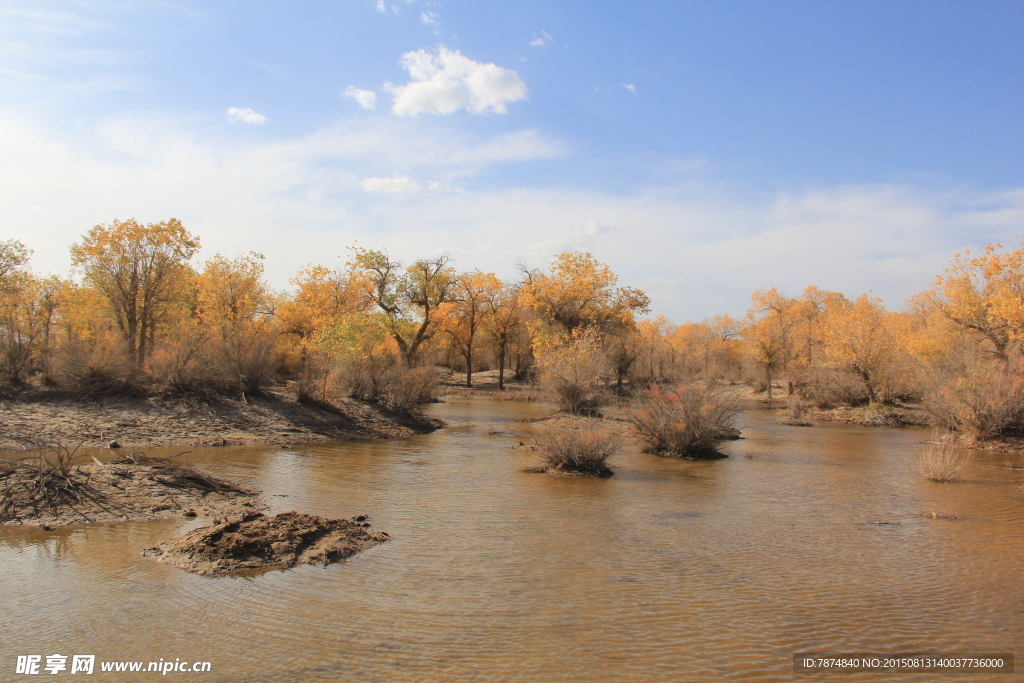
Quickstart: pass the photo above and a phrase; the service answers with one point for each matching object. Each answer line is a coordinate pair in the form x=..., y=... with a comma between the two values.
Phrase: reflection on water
x=671, y=570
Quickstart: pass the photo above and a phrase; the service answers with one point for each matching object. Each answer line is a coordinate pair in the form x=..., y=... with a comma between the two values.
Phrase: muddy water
x=669, y=571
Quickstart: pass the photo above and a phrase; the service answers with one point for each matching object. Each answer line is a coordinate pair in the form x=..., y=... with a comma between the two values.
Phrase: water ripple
x=669, y=571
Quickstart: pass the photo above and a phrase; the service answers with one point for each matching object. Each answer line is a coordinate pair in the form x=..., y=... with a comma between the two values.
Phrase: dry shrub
x=983, y=402
x=240, y=363
x=941, y=460
x=881, y=416
x=390, y=384
x=689, y=421
x=234, y=367
x=568, y=371
x=95, y=368
x=367, y=380
x=900, y=381
x=177, y=360
x=575, y=448
x=828, y=388
x=757, y=384
x=45, y=482
x=315, y=378
x=796, y=413
x=407, y=390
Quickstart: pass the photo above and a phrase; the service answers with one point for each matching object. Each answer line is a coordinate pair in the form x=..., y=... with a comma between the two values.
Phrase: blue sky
x=702, y=149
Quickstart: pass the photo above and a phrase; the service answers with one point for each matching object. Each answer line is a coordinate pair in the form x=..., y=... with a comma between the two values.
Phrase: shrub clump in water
x=688, y=421
x=941, y=460
x=575, y=449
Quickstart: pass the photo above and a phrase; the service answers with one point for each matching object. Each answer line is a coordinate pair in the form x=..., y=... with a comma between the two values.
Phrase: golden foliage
x=142, y=314
x=139, y=269
x=862, y=336
x=986, y=294
x=579, y=291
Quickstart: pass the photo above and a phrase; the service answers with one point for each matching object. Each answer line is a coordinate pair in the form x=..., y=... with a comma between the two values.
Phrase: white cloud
x=367, y=99
x=399, y=184
x=244, y=115
x=629, y=86
x=448, y=81
x=429, y=19
x=291, y=197
x=543, y=40
x=382, y=6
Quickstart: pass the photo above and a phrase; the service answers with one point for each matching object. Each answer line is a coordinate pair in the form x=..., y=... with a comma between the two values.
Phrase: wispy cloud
x=384, y=7
x=244, y=115
x=430, y=19
x=358, y=180
x=367, y=99
x=399, y=184
x=543, y=40
x=446, y=82
x=61, y=50
x=629, y=86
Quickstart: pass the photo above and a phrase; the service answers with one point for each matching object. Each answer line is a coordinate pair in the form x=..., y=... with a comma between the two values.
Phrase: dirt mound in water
x=50, y=490
x=256, y=541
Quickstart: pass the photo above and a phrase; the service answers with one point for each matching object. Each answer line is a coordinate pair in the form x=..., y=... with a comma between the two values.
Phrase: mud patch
x=603, y=472
x=39, y=492
x=879, y=416
x=256, y=541
x=794, y=422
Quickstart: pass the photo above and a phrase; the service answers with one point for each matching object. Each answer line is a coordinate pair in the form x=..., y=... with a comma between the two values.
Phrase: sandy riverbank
x=31, y=419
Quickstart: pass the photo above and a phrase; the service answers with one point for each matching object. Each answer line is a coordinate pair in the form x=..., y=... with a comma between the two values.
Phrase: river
x=803, y=540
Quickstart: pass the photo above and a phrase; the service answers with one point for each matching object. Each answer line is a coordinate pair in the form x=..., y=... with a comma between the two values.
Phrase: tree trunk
x=869, y=385
x=501, y=367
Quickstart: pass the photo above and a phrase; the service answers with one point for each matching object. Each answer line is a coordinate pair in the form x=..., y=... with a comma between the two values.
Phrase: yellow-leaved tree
x=768, y=331
x=28, y=305
x=412, y=298
x=477, y=294
x=863, y=337
x=985, y=294
x=579, y=293
x=503, y=320
x=236, y=309
x=141, y=271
